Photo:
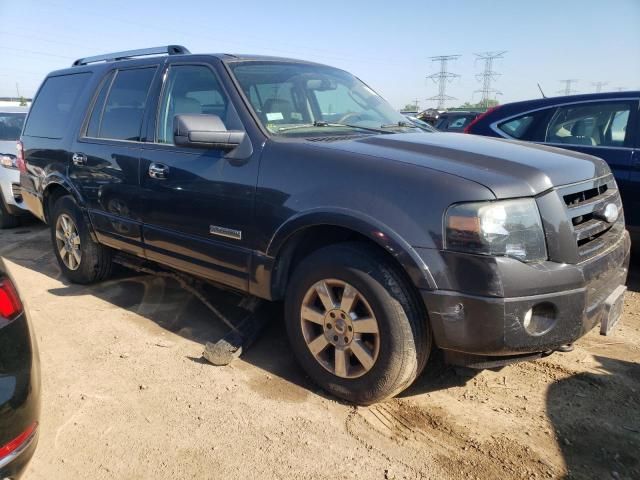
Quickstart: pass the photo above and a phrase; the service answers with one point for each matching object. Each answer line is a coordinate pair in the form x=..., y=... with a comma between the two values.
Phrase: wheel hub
x=338, y=328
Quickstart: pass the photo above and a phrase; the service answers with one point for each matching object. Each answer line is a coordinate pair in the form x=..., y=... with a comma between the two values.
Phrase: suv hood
x=508, y=168
x=8, y=147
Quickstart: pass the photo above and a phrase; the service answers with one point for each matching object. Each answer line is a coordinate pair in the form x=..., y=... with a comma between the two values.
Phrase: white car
x=11, y=205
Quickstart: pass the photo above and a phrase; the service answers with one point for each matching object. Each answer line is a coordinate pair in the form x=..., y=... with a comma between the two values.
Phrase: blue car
x=606, y=125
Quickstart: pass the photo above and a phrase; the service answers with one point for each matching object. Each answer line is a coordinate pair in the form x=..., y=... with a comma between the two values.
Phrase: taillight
x=22, y=166
x=19, y=442
x=10, y=304
x=467, y=129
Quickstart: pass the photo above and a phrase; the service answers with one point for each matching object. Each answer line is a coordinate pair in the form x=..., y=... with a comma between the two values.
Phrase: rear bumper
x=19, y=395
x=14, y=465
x=493, y=325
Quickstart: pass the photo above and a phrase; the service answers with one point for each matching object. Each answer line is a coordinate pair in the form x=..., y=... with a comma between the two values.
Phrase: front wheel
x=81, y=259
x=354, y=323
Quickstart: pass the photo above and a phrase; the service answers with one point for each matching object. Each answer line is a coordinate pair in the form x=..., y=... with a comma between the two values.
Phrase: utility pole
x=488, y=75
x=416, y=102
x=599, y=86
x=442, y=78
x=567, y=90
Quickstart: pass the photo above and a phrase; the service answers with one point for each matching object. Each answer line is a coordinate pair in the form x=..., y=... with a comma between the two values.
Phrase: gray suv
x=295, y=181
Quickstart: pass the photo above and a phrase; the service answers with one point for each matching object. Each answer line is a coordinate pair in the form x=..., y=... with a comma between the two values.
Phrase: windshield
x=302, y=99
x=11, y=125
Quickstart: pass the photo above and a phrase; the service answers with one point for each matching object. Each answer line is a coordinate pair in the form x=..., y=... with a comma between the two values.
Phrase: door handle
x=79, y=159
x=158, y=171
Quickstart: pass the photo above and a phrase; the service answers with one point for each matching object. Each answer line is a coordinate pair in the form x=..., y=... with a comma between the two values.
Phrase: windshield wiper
x=321, y=123
x=399, y=124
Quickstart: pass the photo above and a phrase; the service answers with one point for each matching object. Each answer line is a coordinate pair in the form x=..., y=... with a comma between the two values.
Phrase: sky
x=387, y=44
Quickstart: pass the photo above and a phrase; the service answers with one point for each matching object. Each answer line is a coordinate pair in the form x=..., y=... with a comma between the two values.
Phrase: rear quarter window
x=52, y=109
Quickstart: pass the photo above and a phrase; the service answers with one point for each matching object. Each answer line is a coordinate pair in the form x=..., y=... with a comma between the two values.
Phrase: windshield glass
x=302, y=99
x=11, y=125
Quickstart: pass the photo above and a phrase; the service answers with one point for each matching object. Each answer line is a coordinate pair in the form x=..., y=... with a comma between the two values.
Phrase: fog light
x=539, y=319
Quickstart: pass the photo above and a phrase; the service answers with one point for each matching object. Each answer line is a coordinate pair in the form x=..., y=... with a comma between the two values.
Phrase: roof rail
x=109, y=57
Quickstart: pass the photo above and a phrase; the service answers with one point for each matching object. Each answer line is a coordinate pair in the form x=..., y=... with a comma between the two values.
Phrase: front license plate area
x=613, y=306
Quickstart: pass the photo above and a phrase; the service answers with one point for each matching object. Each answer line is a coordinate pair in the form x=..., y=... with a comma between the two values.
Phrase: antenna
x=541, y=92
x=442, y=78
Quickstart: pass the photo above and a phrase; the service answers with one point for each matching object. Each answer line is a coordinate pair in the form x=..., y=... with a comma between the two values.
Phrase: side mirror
x=204, y=131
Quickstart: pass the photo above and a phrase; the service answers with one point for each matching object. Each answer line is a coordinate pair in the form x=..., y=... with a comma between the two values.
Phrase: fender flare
x=56, y=179
x=363, y=224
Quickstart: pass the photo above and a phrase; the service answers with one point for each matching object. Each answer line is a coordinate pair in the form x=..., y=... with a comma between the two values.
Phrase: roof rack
x=109, y=57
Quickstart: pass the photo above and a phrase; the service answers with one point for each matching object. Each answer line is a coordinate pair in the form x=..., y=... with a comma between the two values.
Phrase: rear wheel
x=355, y=324
x=81, y=259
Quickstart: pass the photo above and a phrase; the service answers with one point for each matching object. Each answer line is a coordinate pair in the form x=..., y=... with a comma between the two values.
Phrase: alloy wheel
x=340, y=328
x=68, y=242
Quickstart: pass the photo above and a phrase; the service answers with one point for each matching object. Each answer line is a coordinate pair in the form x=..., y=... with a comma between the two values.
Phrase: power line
x=599, y=85
x=567, y=90
x=442, y=78
x=488, y=76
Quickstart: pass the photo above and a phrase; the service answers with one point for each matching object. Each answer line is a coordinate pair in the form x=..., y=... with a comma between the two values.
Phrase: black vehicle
x=453, y=121
x=606, y=125
x=293, y=180
x=19, y=383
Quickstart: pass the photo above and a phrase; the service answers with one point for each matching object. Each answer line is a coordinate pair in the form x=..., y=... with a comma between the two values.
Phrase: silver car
x=11, y=205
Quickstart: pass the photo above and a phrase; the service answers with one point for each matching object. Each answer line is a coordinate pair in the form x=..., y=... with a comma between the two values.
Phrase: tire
x=400, y=348
x=6, y=219
x=95, y=260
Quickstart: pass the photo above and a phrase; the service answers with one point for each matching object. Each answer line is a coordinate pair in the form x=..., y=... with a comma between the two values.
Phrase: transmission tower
x=599, y=86
x=488, y=76
x=442, y=78
x=567, y=90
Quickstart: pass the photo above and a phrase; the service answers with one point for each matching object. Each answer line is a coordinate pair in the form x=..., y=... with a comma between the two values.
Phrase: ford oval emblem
x=611, y=213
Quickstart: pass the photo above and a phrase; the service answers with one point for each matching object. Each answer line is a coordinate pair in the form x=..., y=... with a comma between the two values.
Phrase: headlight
x=511, y=228
x=8, y=161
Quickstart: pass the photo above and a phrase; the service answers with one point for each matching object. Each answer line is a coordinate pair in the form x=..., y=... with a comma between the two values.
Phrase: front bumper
x=9, y=185
x=485, y=314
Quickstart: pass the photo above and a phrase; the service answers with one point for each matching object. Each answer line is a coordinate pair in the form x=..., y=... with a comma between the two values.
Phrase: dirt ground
x=126, y=395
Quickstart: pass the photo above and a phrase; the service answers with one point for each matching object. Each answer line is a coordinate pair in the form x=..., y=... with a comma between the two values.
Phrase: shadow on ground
x=598, y=436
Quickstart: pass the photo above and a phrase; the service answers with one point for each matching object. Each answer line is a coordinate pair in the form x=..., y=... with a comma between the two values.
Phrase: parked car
x=430, y=115
x=606, y=125
x=422, y=125
x=455, y=121
x=19, y=382
x=11, y=206
x=295, y=181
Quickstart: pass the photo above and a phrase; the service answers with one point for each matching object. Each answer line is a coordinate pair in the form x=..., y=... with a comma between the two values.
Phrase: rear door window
x=592, y=124
x=54, y=105
x=122, y=113
x=517, y=128
x=93, y=128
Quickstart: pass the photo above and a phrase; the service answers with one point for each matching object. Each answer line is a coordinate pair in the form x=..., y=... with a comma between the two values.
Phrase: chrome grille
x=585, y=203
